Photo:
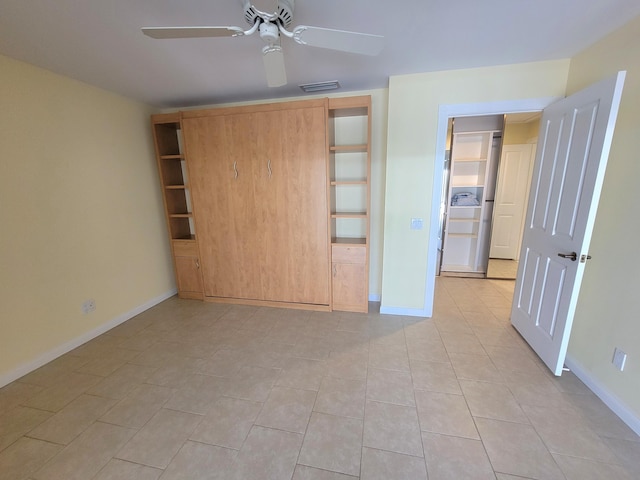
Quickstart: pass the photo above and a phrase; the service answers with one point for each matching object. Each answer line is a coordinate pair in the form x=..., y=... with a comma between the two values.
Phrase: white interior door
x=573, y=148
x=510, y=201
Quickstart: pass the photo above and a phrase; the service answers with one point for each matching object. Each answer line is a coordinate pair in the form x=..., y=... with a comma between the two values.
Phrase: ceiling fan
x=271, y=26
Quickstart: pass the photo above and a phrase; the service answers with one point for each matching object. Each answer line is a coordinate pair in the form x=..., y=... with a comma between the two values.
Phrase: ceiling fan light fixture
x=274, y=65
x=319, y=86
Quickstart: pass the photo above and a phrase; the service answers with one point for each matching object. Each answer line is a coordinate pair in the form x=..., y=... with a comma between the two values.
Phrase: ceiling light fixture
x=319, y=86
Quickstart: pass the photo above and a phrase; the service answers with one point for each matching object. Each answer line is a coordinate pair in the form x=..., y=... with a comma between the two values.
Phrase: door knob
x=573, y=256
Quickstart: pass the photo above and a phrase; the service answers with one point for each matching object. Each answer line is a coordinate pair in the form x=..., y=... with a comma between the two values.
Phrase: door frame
x=444, y=113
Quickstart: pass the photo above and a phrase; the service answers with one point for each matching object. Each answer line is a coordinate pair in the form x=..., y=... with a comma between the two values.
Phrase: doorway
x=578, y=131
x=513, y=180
x=444, y=113
x=486, y=178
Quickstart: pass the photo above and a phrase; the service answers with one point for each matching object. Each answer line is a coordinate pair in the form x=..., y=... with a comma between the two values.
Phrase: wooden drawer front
x=344, y=254
x=185, y=248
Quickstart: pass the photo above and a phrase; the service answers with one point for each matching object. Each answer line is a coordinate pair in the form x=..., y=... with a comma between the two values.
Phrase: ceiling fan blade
x=191, y=32
x=274, y=65
x=362, y=43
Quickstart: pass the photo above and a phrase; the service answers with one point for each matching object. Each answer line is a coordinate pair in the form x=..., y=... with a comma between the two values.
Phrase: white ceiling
x=99, y=42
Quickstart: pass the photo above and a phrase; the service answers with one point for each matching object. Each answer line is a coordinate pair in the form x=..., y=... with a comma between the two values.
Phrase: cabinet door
x=349, y=287
x=259, y=191
x=245, y=199
x=188, y=276
x=293, y=205
x=220, y=187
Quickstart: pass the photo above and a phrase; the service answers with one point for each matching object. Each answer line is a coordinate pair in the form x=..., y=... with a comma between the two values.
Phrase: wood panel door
x=573, y=149
x=510, y=205
x=293, y=207
x=259, y=193
x=245, y=200
x=222, y=201
x=188, y=277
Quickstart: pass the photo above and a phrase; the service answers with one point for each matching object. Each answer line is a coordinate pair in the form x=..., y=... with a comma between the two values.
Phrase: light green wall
x=80, y=212
x=414, y=101
x=608, y=311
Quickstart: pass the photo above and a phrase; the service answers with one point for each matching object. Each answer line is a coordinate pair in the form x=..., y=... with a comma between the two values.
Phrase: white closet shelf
x=463, y=235
x=473, y=220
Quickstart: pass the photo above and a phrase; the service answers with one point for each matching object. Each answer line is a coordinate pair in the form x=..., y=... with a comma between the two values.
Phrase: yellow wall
x=413, y=121
x=80, y=212
x=607, y=314
x=521, y=133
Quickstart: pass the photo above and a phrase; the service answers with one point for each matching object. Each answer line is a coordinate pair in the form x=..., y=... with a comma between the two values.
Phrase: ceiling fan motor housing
x=283, y=14
x=269, y=32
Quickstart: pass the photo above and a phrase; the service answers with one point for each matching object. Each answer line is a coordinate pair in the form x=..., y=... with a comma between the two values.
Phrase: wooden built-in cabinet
x=187, y=264
x=349, y=282
x=275, y=191
x=173, y=171
x=349, y=154
x=258, y=199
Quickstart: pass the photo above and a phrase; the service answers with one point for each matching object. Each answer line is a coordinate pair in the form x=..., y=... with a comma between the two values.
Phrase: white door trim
x=444, y=113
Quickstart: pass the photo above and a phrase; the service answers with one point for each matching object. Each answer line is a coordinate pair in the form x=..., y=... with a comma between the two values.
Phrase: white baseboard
x=60, y=350
x=618, y=407
x=409, y=312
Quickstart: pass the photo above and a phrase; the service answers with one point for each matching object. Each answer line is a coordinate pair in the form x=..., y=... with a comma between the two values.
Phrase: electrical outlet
x=88, y=306
x=619, y=359
x=417, y=224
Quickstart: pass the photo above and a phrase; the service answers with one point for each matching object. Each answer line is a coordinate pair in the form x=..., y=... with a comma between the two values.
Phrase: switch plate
x=88, y=306
x=619, y=359
x=417, y=224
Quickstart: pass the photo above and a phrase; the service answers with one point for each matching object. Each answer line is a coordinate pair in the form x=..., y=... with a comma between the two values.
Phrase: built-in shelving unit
x=470, y=166
x=349, y=151
x=173, y=170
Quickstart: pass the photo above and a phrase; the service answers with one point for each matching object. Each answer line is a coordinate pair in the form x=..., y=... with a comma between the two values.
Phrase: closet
x=475, y=149
x=261, y=199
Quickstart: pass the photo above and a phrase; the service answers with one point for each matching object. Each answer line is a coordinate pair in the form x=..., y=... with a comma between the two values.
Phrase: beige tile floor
x=502, y=269
x=191, y=390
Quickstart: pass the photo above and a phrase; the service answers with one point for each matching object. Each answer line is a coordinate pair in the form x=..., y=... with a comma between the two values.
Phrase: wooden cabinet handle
x=269, y=168
x=235, y=170
x=198, y=263
x=335, y=271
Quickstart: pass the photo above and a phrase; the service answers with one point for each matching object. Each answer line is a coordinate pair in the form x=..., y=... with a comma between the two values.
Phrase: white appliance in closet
x=474, y=152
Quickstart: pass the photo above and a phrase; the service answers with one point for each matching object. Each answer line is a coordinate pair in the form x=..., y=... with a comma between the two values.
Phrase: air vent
x=319, y=86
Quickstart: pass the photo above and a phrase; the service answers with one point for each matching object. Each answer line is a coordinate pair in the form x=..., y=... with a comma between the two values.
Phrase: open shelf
x=349, y=215
x=348, y=148
x=349, y=182
x=349, y=241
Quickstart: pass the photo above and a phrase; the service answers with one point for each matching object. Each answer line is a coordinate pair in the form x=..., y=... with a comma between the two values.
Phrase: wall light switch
x=619, y=359
x=417, y=224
